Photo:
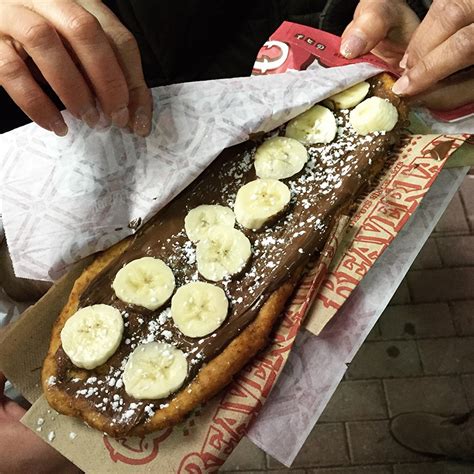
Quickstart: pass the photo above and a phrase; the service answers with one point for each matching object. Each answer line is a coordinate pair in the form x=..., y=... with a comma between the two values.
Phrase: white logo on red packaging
x=272, y=55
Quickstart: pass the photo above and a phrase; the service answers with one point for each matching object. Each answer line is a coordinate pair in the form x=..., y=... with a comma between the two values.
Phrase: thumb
x=371, y=24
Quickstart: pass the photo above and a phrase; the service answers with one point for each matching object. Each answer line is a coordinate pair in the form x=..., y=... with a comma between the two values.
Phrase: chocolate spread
x=328, y=185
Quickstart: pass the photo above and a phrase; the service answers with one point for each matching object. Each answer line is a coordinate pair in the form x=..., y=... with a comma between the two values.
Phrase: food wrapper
x=204, y=441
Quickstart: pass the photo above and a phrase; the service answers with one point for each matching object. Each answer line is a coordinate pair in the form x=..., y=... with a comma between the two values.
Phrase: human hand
x=384, y=27
x=442, y=45
x=83, y=52
x=22, y=451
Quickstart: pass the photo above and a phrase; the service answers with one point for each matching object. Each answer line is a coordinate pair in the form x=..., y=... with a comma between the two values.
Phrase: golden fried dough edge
x=211, y=379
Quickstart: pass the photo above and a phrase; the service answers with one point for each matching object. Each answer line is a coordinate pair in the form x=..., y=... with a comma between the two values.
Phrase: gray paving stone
x=443, y=284
x=246, y=456
x=428, y=257
x=468, y=384
x=356, y=400
x=467, y=193
x=453, y=219
x=402, y=295
x=325, y=446
x=375, y=334
x=370, y=442
x=385, y=359
x=436, y=467
x=451, y=355
x=456, y=251
x=273, y=471
x=463, y=317
x=413, y=321
x=386, y=469
x=443, y=395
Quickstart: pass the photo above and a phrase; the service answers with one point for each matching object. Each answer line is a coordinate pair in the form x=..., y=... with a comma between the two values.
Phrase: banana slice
x=198, y=220
x=92, y=335
x=154, y=370
x=223, y=253
x=316, y=125
x=146, y=282
x=373, y=115
x=280, y=158
x=259, y=201
x=348, y=98
x=199, y=308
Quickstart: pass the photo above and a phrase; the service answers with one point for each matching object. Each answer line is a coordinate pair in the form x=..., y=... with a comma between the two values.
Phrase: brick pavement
x=419, y=357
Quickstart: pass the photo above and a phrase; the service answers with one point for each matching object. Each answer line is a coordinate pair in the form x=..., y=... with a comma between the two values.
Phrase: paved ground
x=419, y=357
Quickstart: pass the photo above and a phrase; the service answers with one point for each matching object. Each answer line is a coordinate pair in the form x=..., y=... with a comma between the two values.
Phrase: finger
x=128, y=54
x=86, y=37
x=19, y=84
x=447, y=96
x=453, y=55
x=444, y=18
x=372, y=21
x=43, y=45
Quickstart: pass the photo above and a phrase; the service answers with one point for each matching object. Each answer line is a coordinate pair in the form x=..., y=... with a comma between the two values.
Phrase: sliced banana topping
x=259, y=201
x=316, y=125
x=224, y=252
x=199, y=308
x=198, y=220
x=348, y=98
x=92, y=335
x=373, y=115
x=146, y=282
x=154, y=370
x=280, y=158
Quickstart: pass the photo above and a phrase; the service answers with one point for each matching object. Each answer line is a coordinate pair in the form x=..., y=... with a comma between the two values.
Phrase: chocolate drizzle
x=328, y=185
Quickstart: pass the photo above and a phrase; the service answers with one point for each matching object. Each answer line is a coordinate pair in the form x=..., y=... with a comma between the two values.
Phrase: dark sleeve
x=420, y=7
x=337, y=14
x=184, y=40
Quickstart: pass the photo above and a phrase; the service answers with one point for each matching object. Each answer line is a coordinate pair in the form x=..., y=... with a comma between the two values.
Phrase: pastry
x=162, y=321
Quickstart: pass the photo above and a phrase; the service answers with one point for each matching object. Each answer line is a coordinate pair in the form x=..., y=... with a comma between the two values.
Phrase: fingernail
x=403, y=62
x=141, y=123
x=59, y=128
x=120, y=117
x=353, y=46
x=91, y=117
x=400, y=87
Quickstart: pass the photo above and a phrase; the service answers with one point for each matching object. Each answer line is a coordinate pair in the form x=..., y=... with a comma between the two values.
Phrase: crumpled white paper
x=65, y=198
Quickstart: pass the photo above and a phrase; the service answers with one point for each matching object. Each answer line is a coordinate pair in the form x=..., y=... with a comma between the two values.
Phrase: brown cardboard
x=24, y=344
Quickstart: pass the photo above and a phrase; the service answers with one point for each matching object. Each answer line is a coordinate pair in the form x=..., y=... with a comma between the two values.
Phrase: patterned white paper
x=65, y=198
